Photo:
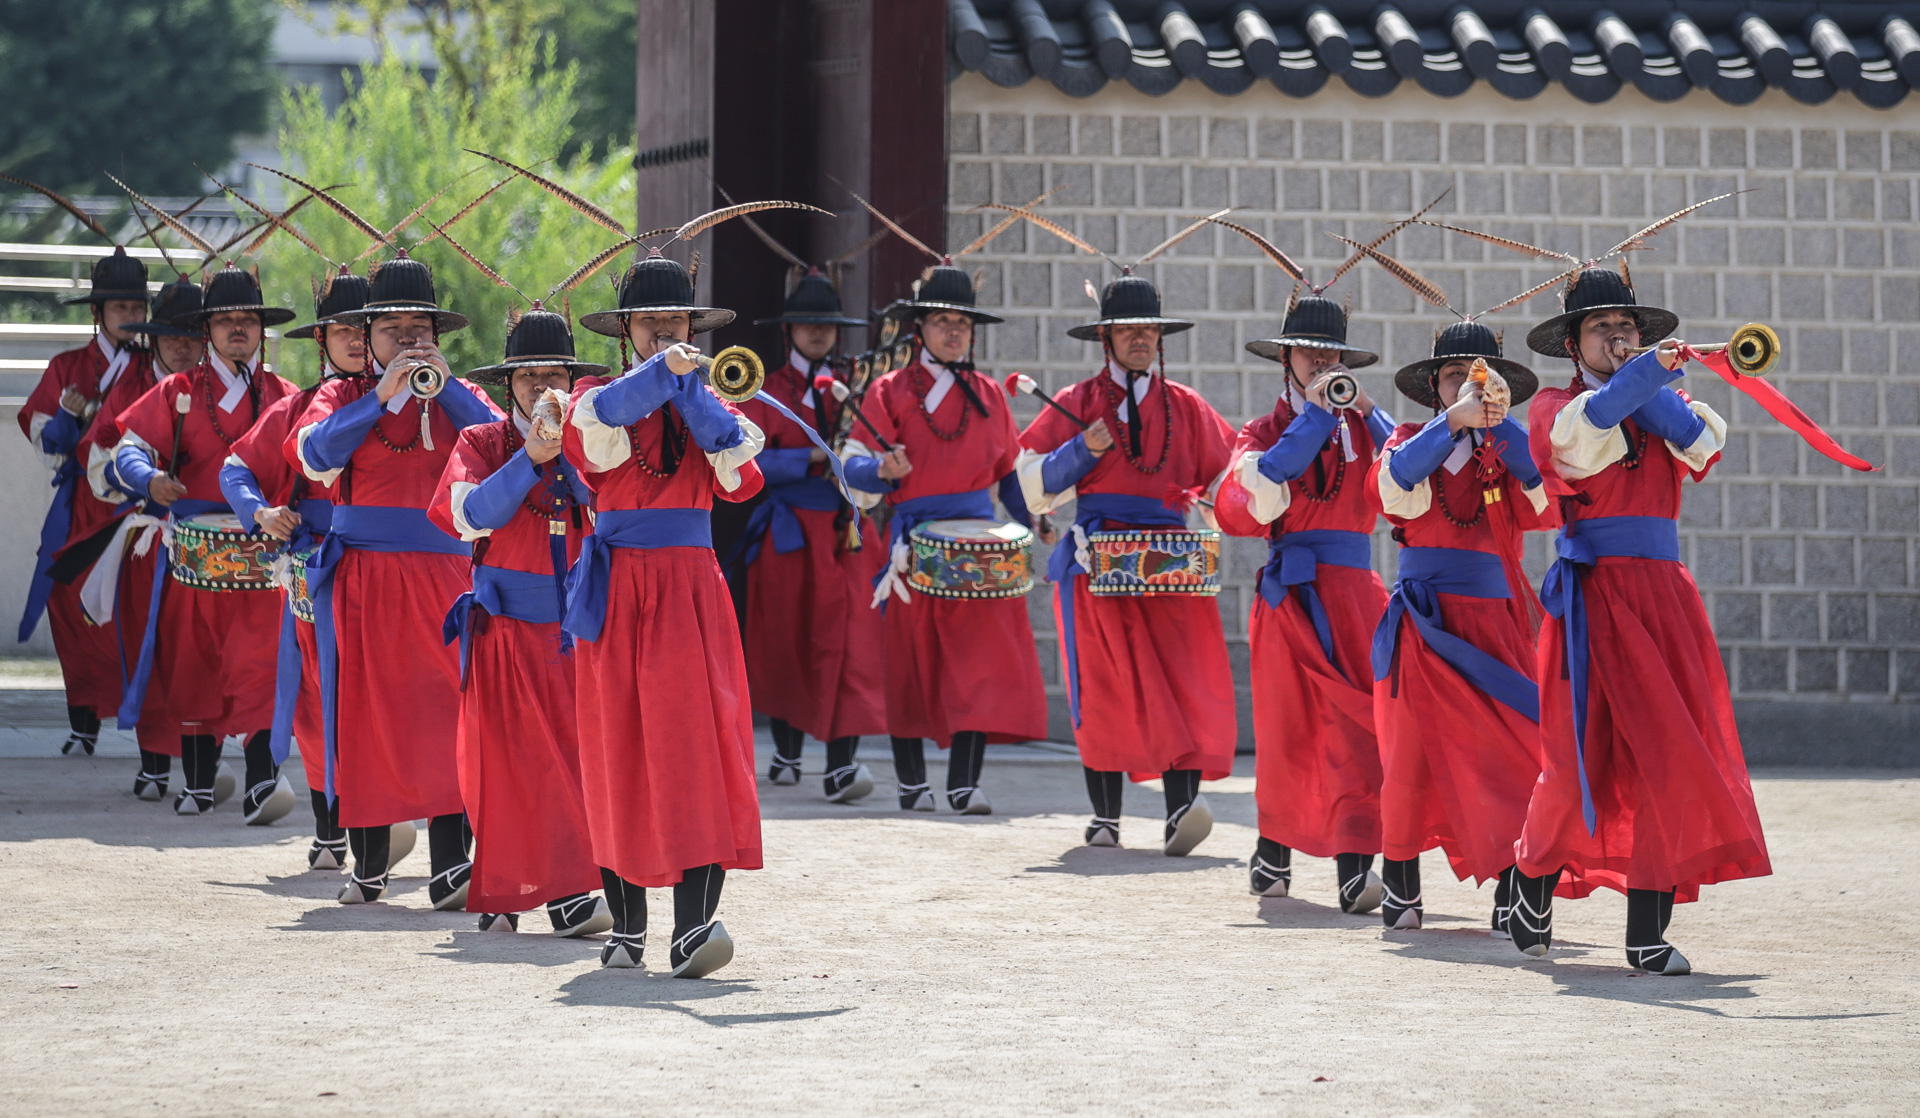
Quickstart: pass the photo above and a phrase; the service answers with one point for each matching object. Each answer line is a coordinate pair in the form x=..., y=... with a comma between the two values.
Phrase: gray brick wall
x=1808, y=570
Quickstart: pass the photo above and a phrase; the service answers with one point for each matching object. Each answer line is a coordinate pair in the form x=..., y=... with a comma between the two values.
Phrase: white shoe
x=1358, y=897
x=273, y=807
x=1664, y=959
x=1103, y=832
x=1189, y=828
x=969, y=801
x=712, y=954
x=843, y=786
x=400, y=841
x=225, y=784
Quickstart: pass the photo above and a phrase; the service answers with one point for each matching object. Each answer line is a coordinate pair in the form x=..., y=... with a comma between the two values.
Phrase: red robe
x=519, y=747
x=96, y=450
x=1156, y=690
x=955, y=664
x=814, y=650
x=1317, y=764
x=214, y=650
x=1457, y=765
x=89, y=654
x=1672, y=800
x=666, y=726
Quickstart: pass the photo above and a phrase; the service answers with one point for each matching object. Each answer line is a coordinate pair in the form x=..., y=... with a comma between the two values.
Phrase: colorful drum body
x=1135, y=563
x=298, y=599
x=971, y=559
x=211, y=552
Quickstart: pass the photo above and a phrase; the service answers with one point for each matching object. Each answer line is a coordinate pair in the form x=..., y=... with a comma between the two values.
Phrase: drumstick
x=825, y=382
x=182, y=404
x=1021, y=382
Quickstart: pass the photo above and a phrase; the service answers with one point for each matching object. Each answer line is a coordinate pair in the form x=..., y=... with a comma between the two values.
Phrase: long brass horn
x=736, y=373
x=1752, y=350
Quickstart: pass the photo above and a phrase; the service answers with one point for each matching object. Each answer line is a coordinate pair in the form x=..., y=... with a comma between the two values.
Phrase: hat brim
x=1091, y=331
x=444, y=322
x=1274, y=349
x=699, y=319
x=1549, y=339
x=269, y=316
x=499, y=375
x=808, y=320
x=110, y=295
x=313, y=329
x=920, y=310
x=1415, y=381
x=164, y=330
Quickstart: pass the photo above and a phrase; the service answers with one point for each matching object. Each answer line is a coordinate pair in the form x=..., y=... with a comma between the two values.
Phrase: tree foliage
x=149, y=87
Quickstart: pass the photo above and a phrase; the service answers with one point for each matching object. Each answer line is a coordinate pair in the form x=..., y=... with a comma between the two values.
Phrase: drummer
x=1148, y=683
x=270, y=496
x=963, y=672
x=204, y=667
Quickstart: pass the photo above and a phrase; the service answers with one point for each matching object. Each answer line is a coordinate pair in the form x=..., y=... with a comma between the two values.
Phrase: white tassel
x=426, y=424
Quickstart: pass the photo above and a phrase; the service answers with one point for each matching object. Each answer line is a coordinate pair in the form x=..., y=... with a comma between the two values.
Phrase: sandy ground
x=935, y=965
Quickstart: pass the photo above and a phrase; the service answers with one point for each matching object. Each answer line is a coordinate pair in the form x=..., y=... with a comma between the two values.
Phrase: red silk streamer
x=1779, y=407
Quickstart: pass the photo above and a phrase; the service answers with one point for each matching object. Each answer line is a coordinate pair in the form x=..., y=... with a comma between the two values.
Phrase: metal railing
x=81, y=257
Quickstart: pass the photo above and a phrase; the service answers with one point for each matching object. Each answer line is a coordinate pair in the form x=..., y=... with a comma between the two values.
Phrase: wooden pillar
x=840, y=70
x=909, y=131
x=673, y=117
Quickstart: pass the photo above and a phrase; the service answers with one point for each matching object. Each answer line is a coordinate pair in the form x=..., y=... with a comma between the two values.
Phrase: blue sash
x=815, y=494
x=53, y=537
x=1425, y=574
x=134, y=697
x=502, y=592
x=1091, y=513
x=383, y=528
x=586, y=610
x=316, y=516
x=1293, y=563
x=1582, y=543
x=973, y=504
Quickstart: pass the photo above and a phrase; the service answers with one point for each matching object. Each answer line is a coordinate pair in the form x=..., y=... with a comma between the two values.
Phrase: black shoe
x=847, y=784
x=783, y=770
x=358, y=890
x=1264, y=879
x=448, y=889
x=1103, y=832
x=1187, y=828
x=192, y=801
x=1661, y=958
x=327, y=854
x=701, y=952
x=1360, y=894
x=85, y=742
x=915, y=797
x=267, y=802
x=968, y=801
x=623, y=951
x=1401, y=913
x=1503, y=904
x=579, y=915
x=1530, y=921
x=499, y=922
x=150, y=786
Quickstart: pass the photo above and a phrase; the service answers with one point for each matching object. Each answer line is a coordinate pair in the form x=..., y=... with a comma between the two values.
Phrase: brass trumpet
x=735, y=373
x=426, y=381
x=1752, y=350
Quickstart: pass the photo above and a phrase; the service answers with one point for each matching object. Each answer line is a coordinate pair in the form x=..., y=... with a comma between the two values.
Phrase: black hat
x=232, y=289
x=1598, y=289
x=813, y=301
x=175, y=303
x=400, y=286
x=115, y=277
x=657, y=285
x=1463, y=340
x=539, y=339
x=1129, y=301
x=344, y=292
x=1313, y=322
x=946, y=289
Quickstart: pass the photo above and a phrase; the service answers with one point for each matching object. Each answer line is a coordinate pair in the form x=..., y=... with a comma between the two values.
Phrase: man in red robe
x=814, y=650
x=960, y=671
x=200, y=661
x=1148, y=681
x=666, y=726
x=55, y=419
x=382, y=582
x=1454, y=700
x=1644, y=787
x=1317, y=764
x=509, y=493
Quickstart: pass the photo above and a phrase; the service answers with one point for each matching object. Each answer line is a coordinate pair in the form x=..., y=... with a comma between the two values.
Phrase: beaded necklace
x=1114, y=394
x=922, y=382
x=213, y=414
x=1328, y=489
x=673, y=445
x=559, y=496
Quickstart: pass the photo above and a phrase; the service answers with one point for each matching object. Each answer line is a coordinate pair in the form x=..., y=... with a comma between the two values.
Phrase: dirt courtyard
x=894, y=964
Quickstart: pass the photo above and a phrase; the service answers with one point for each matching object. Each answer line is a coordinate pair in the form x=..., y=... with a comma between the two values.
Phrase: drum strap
x=133, y=697
x=1091, y=513
x=1425, y=574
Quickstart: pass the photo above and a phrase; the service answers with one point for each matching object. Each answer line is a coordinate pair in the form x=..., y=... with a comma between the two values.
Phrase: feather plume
x=712, y=218
x=82, y=216
x=1091, y=292
x=197, y=203
x=766, y=238
x=167, y=219
x=257, y=226
x=1382, y=239
x=275, y=220
x=1420, y=285
x=152, y=237
x=1638, y=240
x=477, y=263
x=981, y=241
x=1293, y=298
x=693, y=267
x=461, y=213
x=589, y=268
x=1053, y=227
x=334, y=204
x=897, y=229
x=1180, y=236
x=978, y=274
x=1504, y=242
x=592, y=211
x=435, y=197
x=1626, y=273
x=1272, y=251
x=1528, y=293
x=865, y=246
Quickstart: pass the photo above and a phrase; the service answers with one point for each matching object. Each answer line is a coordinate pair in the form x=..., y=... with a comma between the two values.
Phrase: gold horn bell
x=1753, y=349
x=735, y=373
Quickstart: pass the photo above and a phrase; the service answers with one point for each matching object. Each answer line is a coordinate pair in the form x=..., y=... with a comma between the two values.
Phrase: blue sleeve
x=135, y=472
x=1636, y=382
x=712, y=426
x=1669, y=417
x=242, y=491
x=636, y=395
x=1514, y=451
x=336, y=437
x=1015, y=501
x=492, y=503
x=1302, y=440
x=1063, y=468
x=1413, y=461
x=1381, y=425
x=464, y=405
x=784, y=465
x=863, y=473
x=61, y=435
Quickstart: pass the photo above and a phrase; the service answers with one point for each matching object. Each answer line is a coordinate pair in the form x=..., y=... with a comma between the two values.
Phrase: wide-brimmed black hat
x=541, y=338
x=812, y=302
x=174, y=304
x=1129, y=301
x=1313, y=322
x=947, y=289
x=403, y=285
x=1463, y=340
x=344, y=292
x=115, y=277
x=657, y=285
x=1598, y=289
x=232, y=289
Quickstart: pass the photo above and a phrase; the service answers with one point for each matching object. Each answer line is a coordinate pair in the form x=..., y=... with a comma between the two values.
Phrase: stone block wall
x=1808, y=570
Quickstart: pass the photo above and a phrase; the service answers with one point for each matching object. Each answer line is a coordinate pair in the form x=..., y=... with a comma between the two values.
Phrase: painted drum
x=1131, y=564
x=212, y=552
x=971, y=559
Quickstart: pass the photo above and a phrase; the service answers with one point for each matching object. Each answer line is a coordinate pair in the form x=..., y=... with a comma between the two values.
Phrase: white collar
x=1141, y=383
x=118, y=358
x=234, y=382
x=520, y=422
x=800, y=362
x=942, y=382
x=1462, y=452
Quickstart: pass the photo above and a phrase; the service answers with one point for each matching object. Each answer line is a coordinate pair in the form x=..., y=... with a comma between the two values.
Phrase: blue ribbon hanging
x=502, y=592
x=586, y=611
x=134, y=698
x=53, y=537
x=1293, y=563
x=815, y=494
x=1582, y=543
x=1425, y=574
x=1091, y=513
x=315, y=518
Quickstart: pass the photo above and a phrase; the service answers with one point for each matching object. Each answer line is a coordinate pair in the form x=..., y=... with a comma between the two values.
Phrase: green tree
x=150, y=87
